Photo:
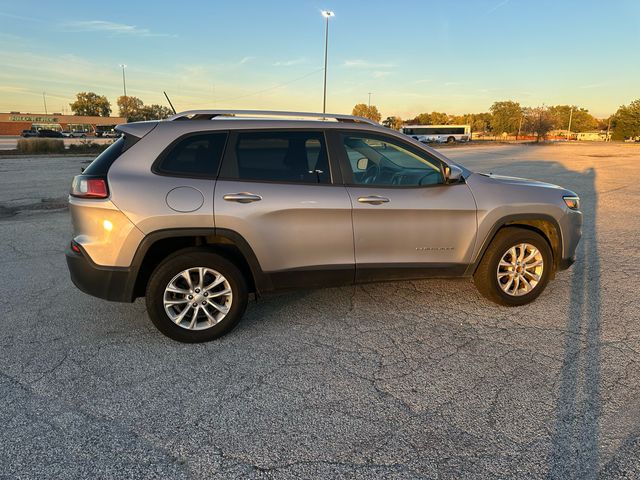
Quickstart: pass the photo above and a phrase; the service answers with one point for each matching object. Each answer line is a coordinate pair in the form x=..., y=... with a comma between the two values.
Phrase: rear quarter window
x=102, y=163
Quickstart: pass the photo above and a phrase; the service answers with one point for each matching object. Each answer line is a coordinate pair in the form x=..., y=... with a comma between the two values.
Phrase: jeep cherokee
x=198, y=211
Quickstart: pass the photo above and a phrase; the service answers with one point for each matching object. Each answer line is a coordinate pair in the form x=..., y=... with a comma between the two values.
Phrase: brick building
x=14, y=123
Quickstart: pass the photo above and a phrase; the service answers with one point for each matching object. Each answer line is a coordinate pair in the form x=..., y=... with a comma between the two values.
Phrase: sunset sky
x=418, y=56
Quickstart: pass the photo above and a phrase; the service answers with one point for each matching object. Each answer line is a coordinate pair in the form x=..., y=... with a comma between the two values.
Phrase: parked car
x=110, y=134
x=197, y=211
x=29, y=133
x=49, y=134
x=68, y=134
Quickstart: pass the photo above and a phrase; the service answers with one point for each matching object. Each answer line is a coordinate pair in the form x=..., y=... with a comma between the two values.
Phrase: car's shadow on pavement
x=575, y=441
x=574, y=428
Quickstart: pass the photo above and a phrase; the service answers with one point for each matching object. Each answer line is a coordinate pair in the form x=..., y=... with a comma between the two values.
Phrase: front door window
x=380, y=161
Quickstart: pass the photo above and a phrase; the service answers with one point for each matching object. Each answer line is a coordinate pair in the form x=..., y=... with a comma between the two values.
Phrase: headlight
x=572, y=201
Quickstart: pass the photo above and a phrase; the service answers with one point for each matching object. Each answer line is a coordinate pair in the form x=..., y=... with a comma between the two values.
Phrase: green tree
x=439, y=118
x=393, y=122
x=505, y=117
x=581, y=119
x=605, y=123
x=130, y=108
x=370, y=112
x=626, y=121
x=420, y=119
x=538, y=121
x=91, y=104
x=479, y=122
x=433, y=118
x=155, y=112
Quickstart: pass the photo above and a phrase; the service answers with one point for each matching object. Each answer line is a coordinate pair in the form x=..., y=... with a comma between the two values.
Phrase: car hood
x=525, y=182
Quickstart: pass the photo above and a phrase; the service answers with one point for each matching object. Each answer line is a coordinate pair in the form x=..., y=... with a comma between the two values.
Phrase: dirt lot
x=408, y=380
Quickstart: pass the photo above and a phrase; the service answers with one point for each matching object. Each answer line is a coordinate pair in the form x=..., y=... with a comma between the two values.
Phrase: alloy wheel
x=520, y=269
x=197, y=298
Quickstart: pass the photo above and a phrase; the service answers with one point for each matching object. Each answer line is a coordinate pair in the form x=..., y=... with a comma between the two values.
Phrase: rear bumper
x=108, y=283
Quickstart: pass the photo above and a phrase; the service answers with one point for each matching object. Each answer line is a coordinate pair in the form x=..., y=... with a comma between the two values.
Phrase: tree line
x=510, y=118
x=503, y=118
x=132, y=108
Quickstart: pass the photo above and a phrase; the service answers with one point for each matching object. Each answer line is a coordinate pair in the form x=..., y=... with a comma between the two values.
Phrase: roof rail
x=211, y=114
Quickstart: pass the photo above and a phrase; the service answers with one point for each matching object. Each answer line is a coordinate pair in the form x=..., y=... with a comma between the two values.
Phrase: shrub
x=87, y=146
x=40, y=145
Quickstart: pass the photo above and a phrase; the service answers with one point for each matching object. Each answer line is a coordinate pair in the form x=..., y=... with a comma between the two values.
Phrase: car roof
x=212, y=120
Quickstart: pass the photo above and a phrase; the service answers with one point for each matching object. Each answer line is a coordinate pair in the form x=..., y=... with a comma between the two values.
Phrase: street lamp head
x=123, y=65
x=328, y=13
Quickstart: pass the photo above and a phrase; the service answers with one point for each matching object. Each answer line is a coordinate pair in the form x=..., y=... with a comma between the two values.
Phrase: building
x=14, y=123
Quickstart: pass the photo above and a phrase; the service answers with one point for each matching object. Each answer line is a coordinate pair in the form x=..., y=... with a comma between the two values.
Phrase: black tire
x=486, y=278
x=183, y=260
x=451, y=140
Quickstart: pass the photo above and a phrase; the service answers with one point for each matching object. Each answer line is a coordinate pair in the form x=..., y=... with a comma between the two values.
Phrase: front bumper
x=571, y=225
x=112, y=284
x=566, y=263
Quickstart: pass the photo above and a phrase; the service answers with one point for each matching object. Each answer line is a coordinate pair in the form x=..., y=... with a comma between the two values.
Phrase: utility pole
x=44, y=100
x=519, y=128
x=326, y=14
x=570, y=118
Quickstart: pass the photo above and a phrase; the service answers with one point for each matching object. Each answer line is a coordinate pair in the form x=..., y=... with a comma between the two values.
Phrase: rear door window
x=291, y=157
x=196, y=155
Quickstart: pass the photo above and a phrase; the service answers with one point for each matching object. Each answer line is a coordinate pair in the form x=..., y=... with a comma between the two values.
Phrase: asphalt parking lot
x=399, y=380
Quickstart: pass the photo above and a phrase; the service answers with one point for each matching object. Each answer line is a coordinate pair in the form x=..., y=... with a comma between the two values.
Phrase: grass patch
x=40, y=145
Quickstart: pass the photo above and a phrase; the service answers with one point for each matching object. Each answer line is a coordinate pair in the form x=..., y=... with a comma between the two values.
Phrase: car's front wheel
x=516, y=267
x=196, y=296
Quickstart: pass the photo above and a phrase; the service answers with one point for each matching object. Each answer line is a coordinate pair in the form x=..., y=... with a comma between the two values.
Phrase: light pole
x=370, y=99
x=124, y=82
x=570, y=118
x=326, y=14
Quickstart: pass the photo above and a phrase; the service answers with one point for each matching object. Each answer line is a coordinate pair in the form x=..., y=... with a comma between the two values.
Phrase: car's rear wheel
x=196, y=296
x=516, y=267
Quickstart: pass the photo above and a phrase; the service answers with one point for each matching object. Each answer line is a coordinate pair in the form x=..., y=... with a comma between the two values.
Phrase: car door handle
x=242, y=197
x=373, y=200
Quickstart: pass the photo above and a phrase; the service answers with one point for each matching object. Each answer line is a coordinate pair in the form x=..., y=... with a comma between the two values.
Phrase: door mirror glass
x=362, y=163
x=452, y=174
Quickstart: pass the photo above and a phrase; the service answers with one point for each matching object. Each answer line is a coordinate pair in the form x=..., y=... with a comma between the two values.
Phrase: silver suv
x=200, y=210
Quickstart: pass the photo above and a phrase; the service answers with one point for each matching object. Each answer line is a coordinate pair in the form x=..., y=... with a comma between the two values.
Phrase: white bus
x=438, y=133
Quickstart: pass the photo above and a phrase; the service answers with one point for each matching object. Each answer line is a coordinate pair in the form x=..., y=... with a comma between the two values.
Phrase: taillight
x=89, y=187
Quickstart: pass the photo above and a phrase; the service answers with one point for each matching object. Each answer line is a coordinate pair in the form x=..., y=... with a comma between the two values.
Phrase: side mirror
x=452, y=174
x=363, y=163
